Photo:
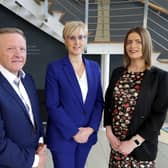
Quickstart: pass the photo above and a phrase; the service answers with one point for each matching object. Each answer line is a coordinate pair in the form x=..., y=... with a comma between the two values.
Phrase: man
x=20, y=123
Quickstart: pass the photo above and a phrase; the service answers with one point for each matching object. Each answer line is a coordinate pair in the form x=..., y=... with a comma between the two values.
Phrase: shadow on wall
x=41, y=95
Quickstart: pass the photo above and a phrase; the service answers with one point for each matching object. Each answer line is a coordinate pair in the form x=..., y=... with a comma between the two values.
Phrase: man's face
x=12, y=52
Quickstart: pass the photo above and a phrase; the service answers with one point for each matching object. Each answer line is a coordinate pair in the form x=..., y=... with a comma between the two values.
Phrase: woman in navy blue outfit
x=136, y=103
x=74, y=101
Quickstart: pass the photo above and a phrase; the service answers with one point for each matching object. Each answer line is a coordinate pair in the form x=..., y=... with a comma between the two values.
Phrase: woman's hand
x=126, y=147
x=113, y=140
x=83, y=134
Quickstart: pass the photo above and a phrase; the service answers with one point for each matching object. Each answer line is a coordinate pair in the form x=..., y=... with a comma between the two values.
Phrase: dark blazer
x=18, y=137
x=66, y=110
x=150, y=110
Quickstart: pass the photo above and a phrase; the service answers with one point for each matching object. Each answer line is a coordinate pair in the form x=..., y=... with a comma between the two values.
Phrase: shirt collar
x=10, y=76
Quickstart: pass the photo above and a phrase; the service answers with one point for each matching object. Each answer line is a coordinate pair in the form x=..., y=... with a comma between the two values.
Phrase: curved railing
x=108, y=21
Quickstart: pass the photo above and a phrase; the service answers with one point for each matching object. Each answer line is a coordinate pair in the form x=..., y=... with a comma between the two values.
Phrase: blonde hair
x=71, y=26
x=146, y=45
x=5, y=30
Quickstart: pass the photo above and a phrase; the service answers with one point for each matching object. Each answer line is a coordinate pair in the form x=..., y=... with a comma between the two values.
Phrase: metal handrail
x=164, y=47
x=118, y=9
x=125, y=22
x=69, y=11
x=159, y=16
x=161, y=36
x=118, y=16
x=156, y=7
x=165, y=29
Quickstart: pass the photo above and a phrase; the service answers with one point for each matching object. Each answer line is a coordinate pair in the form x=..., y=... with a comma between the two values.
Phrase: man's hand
x=41, y=151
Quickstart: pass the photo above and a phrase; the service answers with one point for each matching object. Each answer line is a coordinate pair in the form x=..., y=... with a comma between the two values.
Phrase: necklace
x=78, y=68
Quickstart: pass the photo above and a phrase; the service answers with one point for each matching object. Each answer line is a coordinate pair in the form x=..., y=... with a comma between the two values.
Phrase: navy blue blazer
x=18, y=137
x=66, y=110
x=150, y=110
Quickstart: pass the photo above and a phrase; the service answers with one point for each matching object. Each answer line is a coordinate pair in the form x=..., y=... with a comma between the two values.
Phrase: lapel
x=6, y=85
x=90, y=80
x=139, y=108
x=70, y=75
x=30, y=92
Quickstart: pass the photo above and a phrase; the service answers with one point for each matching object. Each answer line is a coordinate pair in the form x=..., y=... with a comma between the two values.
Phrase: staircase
x=108, y=20
x=36, y=13
x=70, y=9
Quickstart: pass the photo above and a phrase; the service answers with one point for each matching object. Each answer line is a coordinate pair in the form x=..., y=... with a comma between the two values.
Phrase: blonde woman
x=74, y=101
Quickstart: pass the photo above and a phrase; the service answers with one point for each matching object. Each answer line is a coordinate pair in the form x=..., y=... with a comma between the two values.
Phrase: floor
x=98, y=157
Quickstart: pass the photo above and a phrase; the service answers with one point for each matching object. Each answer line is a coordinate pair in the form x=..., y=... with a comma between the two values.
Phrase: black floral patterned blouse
x=125, y=93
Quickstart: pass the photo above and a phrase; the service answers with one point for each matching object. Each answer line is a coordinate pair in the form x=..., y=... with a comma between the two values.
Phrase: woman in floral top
x=136, y=102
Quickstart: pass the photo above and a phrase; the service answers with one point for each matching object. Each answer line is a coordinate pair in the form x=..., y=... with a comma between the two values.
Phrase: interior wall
x=43, y=49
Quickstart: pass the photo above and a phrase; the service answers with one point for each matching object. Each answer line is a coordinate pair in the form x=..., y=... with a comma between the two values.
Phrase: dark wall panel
x=42, y=48
x=116, y=60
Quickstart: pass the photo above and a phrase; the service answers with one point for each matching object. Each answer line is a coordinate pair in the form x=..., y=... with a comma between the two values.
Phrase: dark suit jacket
x=18, y=137
x=150, y=110
x=66, y=110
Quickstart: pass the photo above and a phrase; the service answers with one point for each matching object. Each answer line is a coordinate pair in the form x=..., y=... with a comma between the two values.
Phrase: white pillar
x=145, y=19
x=105, y=69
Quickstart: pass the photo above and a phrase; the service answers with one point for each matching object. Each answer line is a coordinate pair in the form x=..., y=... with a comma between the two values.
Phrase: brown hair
x=146, y=45
x=12, y=30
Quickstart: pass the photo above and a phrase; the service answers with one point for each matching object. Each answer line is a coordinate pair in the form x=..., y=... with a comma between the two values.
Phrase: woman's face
x=75, y=43
x=134, y=46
